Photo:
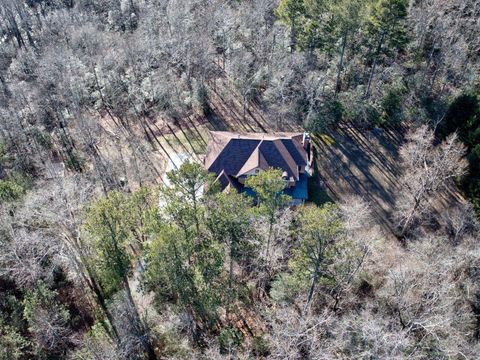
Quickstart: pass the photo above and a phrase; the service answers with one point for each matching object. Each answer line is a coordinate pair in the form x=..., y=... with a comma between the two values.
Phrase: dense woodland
x=99, y=259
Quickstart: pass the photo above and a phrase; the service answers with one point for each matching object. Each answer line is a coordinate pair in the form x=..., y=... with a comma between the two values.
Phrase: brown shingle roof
x=235, y=154
x=255, y=161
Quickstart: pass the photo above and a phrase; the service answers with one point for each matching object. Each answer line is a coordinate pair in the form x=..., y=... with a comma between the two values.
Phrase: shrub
x=285, y=288
x=260, y=346
x=74, y=161
x=321, y=118
x=14, y=187
x=392, y=103
x=12, y=344
x=228, y=339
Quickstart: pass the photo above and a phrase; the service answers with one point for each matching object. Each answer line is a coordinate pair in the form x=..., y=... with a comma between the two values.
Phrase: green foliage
x=97, y=342
x=392, y=103
x=229, y=339
x=48, y=322
x=325, y=258
x=13, y=346
x=201, y=98
x=184, y=260
x=74, y=161
x=172, y=345
x=14, y=186
x=319, y=24
x=329, y=113
x=109, y=223
x=43, y=138
x=228, y=220
x=463, y=116
x=320, y=229
x=41, y=297
x=260, y=346
x=4, y=157
x=292, y=13
x=10, y=190
x=183, y=198
x=142, y=213
x=362, y=113
x=386, y=19
x=268, y=186
x=185, y=271
x=286, y=287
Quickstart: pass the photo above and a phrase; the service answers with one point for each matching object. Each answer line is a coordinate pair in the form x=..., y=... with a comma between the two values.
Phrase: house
x=234, y=157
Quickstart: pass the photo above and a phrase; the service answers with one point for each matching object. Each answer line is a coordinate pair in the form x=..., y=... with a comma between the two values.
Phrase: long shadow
x=353, y=184
x=256, y=121
x=360, y=159
x=228, y=108
x=383, y=164
x=217, y=122
x=225, y=109
x=235, y=95
x=383, y=161
x=198, y=138
x=258, y=110
x=363, y=165
x=192, y=153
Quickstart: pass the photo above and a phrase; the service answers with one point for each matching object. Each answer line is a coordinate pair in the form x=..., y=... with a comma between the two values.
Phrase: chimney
x=305, y=140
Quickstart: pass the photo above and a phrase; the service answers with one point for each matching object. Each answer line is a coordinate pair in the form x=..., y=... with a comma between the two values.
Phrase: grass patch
x=194, y=140
x=326, y=139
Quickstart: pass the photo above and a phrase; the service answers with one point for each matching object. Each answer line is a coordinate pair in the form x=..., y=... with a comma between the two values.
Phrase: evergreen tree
x=268, y=187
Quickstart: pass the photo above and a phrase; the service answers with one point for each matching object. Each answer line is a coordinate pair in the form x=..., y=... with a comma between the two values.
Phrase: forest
x=107, y=251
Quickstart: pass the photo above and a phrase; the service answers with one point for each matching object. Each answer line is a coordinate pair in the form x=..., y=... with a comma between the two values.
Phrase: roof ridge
x=287, y=156
x=251, y=161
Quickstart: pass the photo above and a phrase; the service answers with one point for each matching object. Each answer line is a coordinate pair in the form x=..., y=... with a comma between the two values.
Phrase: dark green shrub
x=14, y=187
x=320, y=119
x=260, y=346
x=462, y=116
x=228, y=339
x=392, y=101
x=43, y=138
x=74, y=161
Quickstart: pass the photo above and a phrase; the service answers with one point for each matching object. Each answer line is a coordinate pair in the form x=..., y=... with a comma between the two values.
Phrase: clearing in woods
x=347, y=162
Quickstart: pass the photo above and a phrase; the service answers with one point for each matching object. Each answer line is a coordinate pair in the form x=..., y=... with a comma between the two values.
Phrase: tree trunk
x=145, y=340
x=340, y=64
x=195, y=210
x=314, y=283
x=87, y=274
x=233, y=247
x=410, y=216
x=293, y=37
x=270, y=230
x=372, y=72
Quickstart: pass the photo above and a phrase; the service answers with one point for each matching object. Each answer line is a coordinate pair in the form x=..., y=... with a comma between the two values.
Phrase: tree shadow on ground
x=363, y=163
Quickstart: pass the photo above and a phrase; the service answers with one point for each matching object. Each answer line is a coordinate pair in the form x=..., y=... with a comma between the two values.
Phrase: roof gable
x=296, y=151
x=233, y=156
x=237, y=154
x=255, y=161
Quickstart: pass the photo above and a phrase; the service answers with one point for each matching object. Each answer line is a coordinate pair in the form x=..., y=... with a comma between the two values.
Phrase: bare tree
x=460, y=220
x=23, y=255
x=424, y=296
x=427, y=170
x=295, y=336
